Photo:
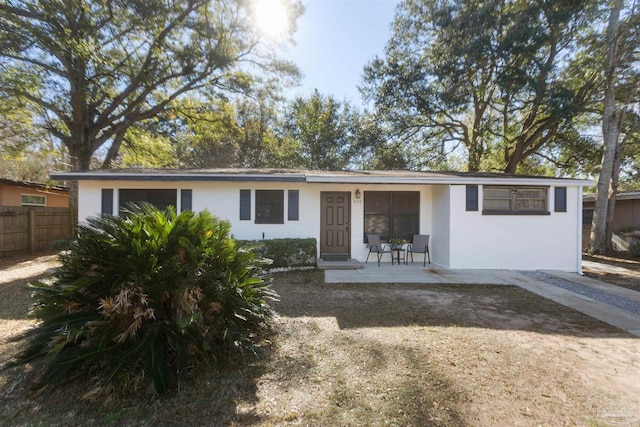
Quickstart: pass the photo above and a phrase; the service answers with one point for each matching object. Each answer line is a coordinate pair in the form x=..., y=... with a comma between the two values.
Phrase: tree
x=143, y=147
x=263, y=142
x=242, y=132
x=27, y=153
x=96, y=67
x=618, y=86
x=483, y=75
x=323, y=130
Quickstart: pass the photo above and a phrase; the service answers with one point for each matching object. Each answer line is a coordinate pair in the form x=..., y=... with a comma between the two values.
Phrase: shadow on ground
x=15, y=297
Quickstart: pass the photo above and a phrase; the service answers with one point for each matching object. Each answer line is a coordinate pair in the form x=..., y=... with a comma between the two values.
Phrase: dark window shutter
x=560, y=199
x=472, y=197
x=294, y=210
x=185, y=200
x=245, y=204
x=107, y=201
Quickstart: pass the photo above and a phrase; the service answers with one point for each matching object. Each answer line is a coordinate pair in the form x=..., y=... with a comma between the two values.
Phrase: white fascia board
x=118, y=176
x=454, y=180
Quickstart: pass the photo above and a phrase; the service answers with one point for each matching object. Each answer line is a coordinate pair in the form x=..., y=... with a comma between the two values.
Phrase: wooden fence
x=30, y=228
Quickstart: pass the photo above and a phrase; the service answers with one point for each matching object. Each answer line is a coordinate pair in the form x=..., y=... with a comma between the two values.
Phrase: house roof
x=315, y=176
x=622, y=195
x=32, y=184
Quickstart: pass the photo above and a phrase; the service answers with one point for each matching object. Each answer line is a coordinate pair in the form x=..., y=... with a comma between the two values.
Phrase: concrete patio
x=355, y=272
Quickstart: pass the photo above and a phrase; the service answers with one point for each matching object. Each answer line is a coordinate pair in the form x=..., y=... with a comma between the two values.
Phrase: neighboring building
x=26, y=193
x=475, y=220
x=626, y=217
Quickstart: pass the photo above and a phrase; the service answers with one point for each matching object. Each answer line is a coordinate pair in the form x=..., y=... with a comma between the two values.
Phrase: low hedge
x=285, y=252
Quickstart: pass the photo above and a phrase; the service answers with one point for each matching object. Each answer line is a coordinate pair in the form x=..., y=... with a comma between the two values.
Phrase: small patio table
x=398, y=249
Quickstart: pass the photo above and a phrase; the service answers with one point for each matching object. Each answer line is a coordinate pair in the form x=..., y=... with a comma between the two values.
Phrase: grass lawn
x=378, y=355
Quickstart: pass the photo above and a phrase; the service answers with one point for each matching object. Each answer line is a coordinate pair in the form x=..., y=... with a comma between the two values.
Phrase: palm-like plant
x=150, y=295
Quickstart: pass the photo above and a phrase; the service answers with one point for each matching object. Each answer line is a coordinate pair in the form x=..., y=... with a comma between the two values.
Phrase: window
x=269, y=206
x=186, y=198
x=560, y=199
x=498, y=200
x=33, y=200
x=392, y=214
x=245, y=205
x=107, y=201
x=161, y=199
x=472, y=198
x=293, y=205
x=587, y=217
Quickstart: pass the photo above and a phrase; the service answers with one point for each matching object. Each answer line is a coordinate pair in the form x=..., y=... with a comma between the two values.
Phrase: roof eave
x=319, y=179
x=84, y=176
x=454, y=180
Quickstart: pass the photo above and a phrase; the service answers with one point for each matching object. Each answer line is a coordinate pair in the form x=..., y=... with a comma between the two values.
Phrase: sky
x=335, y=40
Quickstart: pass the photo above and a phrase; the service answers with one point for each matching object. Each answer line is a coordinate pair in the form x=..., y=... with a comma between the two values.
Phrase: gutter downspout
x=579, y=228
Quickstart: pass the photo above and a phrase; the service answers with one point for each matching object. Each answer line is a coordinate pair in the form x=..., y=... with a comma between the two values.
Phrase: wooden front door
x=335, y=216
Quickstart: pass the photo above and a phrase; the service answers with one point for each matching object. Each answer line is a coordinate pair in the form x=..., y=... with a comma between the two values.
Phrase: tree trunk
x=613, y=190
x=474, y=157
x=610, y=133
x=79, y=162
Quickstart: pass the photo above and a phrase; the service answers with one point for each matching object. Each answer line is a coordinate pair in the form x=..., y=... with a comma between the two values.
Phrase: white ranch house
x=475, y=220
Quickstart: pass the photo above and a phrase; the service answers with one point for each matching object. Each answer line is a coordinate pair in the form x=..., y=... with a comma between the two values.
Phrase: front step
x=335, y=257
x=345, y=264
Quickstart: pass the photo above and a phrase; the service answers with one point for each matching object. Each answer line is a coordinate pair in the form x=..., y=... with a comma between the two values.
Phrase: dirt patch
x=628, y=277
x=388, y=354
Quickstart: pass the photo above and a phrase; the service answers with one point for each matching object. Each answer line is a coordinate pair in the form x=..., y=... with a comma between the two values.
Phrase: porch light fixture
x=357, y=193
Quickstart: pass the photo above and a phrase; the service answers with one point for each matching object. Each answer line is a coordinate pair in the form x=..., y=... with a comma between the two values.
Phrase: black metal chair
x=375, y=246
x=419, y=245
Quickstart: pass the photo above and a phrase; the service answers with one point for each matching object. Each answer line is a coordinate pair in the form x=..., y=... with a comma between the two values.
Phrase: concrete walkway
x=416, y=273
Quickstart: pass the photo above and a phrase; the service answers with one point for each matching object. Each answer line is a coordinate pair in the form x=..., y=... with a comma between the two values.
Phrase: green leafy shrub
x=147, y=298
x=285, y=252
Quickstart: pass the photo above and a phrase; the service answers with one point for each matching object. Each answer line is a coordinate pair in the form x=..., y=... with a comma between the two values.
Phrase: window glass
x=160, y=198
x=471, y=198
x=534, y=199
x=293, y=205
x=186, y=198
x=499, y=199
x=497, y=204
x=269, y=206
x=107, y=201
x=392, y=214
x=245, y=205
x=560, y=198
x=496, y=198
x=377, y=202
x=587, y=217
x=500, y=193
x=377, y=224
x=405, y=226
x=405, y=202
x=33, y=200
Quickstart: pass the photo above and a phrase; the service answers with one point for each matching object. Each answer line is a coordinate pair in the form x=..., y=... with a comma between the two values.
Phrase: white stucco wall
x=459, y=239
x=223, y=200
x=513, y=241
x=439, y=245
